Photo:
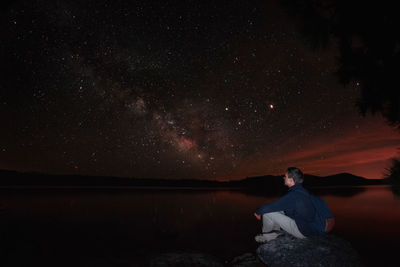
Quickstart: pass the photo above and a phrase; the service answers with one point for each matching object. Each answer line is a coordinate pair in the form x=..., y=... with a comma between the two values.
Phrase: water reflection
x=128, y=224
x=341, y=191
x=396, y=190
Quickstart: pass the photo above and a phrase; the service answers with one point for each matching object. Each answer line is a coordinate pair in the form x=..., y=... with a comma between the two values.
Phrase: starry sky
x=177, y=89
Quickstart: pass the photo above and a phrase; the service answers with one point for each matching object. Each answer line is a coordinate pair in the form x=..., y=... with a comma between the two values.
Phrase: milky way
x=196, y=89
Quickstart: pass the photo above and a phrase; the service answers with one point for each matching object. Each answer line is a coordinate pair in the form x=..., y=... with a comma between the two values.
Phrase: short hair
x=295, y=174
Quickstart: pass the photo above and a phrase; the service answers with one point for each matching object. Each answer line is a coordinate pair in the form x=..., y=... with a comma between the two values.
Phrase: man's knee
x=272, y=215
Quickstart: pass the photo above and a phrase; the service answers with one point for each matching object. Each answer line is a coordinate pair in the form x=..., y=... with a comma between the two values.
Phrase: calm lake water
x=125, y=226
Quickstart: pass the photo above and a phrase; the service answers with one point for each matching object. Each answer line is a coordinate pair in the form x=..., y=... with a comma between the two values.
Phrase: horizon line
x=165, y=178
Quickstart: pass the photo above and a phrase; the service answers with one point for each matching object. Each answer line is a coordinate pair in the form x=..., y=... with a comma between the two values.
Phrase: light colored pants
x=277, y=220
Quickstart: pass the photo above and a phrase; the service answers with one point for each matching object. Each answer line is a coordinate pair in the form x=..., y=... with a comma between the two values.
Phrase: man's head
x=293, y=176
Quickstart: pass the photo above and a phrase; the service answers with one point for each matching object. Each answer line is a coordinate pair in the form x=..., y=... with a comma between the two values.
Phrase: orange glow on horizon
x=364, y=151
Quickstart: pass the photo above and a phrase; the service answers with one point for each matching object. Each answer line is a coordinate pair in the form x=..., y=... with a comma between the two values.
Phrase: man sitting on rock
x=293, y=213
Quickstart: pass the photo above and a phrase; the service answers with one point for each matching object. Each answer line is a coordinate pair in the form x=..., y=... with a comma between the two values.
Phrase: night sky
x=177, y=89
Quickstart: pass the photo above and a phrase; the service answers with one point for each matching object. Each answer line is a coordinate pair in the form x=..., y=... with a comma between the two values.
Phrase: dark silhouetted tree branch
x=367, y=34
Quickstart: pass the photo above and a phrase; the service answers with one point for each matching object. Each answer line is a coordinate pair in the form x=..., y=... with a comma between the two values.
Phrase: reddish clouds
x=364, y=154
x=363, y=150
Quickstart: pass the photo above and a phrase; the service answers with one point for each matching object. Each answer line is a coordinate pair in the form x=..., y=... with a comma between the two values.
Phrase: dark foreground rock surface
x=327, y=250
x=202, y=260
x=184, y=259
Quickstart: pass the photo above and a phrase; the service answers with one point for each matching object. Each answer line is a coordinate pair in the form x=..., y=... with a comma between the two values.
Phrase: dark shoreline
x=13, y=178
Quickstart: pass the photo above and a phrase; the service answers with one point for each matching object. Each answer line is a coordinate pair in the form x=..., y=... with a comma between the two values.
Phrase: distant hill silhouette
x=341, y=179
x=264, y=183
x=269, y=184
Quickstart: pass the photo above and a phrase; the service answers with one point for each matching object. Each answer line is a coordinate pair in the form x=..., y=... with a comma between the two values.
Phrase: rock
x=185, y=259
x=246, y=260
x=328, y=250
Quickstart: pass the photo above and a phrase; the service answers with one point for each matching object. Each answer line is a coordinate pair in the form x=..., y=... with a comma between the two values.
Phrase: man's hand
x=257, y=216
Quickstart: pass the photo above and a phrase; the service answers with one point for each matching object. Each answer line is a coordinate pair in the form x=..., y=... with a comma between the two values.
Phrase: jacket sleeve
x=281, y=204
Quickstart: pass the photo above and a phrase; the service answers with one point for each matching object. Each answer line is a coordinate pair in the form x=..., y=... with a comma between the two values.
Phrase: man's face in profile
x=288, y=181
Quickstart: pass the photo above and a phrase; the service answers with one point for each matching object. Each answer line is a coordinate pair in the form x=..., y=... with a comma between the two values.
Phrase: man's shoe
x=262, y=238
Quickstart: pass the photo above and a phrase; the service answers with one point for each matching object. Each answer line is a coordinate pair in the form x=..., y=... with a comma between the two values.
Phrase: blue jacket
x=297, y=205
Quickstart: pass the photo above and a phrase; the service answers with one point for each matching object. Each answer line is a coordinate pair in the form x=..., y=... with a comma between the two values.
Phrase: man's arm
x=283, y=203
